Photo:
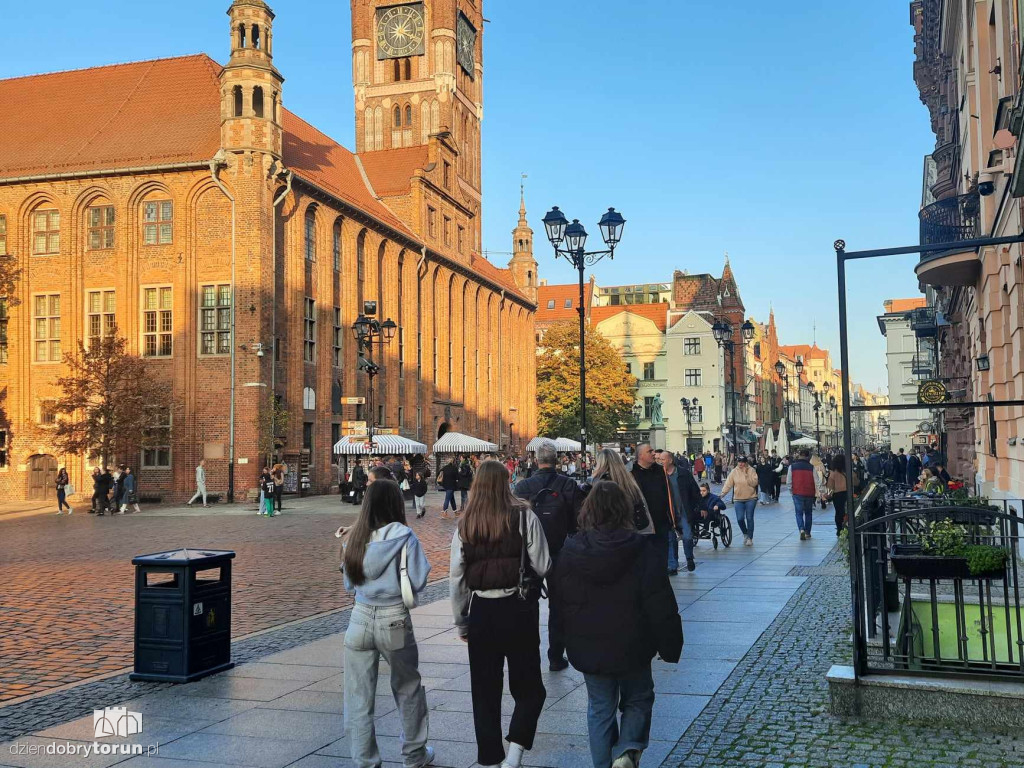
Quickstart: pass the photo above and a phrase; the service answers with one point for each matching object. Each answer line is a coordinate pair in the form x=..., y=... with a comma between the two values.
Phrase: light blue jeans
x=373, y=632
x=745, y=516
x=633, y=694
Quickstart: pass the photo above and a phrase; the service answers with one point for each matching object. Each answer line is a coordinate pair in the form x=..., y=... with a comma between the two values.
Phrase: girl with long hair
x=617, y=611
x=838, y=488
x=380, y=625
x=496, y=611
x=742, y=481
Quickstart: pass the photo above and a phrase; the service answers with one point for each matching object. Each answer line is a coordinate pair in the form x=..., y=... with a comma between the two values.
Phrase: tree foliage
x=109, y=403
x=610, y=389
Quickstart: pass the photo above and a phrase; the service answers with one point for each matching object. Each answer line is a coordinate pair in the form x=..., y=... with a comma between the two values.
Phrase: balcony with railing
x=951, y=220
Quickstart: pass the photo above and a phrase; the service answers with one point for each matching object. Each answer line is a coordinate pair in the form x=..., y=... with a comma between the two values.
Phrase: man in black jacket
x=465, y=480
x=650, y=476
x=449, y=481
x=556, y=500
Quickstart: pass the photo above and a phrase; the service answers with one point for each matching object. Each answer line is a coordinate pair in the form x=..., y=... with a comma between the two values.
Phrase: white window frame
x=692, y=377
x=155, y=450
x=53, y=333
x=309, y=329
x=103, y=314
x=689, y=342
x=157, y=224
x=48, y=233
x=338, y=336
x=159, y=312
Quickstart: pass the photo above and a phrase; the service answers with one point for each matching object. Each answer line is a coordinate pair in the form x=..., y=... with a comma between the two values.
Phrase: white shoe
x=60, y=512
x=429, y=758
x=70, y=510
x=629, y=759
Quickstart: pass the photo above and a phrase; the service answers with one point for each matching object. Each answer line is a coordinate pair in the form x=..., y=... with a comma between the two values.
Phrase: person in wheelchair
x=710, y=511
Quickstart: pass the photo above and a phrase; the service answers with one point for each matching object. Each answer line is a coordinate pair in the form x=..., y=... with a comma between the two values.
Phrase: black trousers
x=839, y=501
x=777, y=489
x=278, y=495
x=503, y=629
x=556, y=644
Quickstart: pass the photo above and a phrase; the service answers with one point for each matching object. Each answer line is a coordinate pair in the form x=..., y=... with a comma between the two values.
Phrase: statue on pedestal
x=657, y=420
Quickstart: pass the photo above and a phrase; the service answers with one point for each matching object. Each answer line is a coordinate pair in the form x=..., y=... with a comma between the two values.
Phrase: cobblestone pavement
x=773, y=708
x=66, y=604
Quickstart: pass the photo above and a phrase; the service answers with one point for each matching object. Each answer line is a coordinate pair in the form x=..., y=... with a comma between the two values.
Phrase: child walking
x=379, y=545
x=267, y=481
x=419, y=494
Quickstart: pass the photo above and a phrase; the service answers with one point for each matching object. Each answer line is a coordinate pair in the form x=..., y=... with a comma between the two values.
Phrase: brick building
x=233, y=245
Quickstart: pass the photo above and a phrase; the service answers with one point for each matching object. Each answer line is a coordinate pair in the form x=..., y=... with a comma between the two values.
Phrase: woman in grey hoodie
x=381, y=626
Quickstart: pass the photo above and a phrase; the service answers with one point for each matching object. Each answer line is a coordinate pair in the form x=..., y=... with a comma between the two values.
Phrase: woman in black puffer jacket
x=617, y=613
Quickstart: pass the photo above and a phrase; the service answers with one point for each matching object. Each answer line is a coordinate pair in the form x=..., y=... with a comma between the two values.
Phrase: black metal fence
x=950, y=220
x=937, y=586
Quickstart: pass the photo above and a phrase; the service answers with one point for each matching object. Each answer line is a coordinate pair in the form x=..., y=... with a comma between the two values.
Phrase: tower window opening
x=398, y=70
x=273, y=106
x=257, y=101
x=255, y=37
x=241, y=35
x=238, y=100
x=407, y=68
x=398, y=117
x=408, y=115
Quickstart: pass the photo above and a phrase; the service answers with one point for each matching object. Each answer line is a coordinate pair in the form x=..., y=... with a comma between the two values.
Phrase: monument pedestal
x=658, y=438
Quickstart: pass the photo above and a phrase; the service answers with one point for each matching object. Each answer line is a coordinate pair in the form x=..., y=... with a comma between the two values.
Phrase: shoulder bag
x=408, y=595
x=531, y=586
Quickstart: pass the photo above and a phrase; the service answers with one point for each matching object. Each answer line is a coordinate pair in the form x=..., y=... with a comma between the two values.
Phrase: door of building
x=42, y=476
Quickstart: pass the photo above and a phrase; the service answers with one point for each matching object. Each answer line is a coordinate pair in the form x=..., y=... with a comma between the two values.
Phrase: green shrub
x=984, y=558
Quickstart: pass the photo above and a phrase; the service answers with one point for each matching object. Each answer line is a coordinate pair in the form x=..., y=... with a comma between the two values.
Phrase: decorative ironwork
x=951, y=220
x=936, y=615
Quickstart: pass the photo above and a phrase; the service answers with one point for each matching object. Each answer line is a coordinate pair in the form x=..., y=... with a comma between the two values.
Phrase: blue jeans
x=804, y=506
x=449, y=500
x=673, y=545
x=633, y=693
x=745, y=516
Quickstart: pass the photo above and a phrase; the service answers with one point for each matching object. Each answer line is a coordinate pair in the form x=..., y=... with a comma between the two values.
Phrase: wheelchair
x=715, y=527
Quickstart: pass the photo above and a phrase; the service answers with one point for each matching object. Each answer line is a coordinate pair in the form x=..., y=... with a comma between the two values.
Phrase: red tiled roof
x=805, y=351
x=319, y=159
x=656, y=312
x=560, y=294
x=502, y=277
x=156, y=112
x=904, y=305
x=389, y=170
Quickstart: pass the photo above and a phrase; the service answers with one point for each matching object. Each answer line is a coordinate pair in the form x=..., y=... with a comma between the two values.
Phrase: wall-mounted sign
x=932, y=392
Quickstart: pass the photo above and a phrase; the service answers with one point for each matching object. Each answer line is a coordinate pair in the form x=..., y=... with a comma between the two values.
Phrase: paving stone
x=240, y=750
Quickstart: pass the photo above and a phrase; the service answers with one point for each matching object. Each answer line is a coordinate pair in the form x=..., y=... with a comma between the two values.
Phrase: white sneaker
x=629, y=759
x=429, y=758
x=60, y=512
x=70, y=510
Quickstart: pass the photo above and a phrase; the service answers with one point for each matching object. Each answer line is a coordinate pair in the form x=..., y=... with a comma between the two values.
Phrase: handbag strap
x=522, y=550
x=671, y=507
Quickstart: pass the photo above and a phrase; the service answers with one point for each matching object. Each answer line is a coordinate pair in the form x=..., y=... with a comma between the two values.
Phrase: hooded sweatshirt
x=382, y=564
x=617, y=608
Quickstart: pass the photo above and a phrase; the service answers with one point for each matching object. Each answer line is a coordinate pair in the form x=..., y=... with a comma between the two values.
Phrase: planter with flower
x=944, y=551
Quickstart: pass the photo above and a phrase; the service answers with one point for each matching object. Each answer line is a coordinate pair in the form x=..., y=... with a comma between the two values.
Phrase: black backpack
x=553, y=507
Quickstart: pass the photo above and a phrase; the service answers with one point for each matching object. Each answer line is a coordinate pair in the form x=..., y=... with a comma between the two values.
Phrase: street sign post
x=361, y=425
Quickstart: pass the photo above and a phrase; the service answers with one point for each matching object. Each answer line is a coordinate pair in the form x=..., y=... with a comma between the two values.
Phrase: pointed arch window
x=237, y=92
x=310, y=229
x=256, y=36
x=257, y=101
x=398, y=117
x=408, y=115
x=360, y=270
x=336, y=242
x=241, y=35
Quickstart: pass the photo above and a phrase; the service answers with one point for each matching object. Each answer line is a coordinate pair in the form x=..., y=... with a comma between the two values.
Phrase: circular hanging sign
x=932, y=392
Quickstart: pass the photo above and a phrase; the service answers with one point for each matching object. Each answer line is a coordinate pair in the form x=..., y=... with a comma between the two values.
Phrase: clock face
x=400, y=31
x=466, y=41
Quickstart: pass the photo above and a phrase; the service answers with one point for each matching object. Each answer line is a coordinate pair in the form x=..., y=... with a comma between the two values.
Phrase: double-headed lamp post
x=688, y=404
x=819, y=402
x=723, y=333
x=780, y=369
x=371, y=332
x=569, y=240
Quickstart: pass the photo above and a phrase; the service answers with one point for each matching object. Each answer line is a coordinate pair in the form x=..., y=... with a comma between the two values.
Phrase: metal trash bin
x=182, y=614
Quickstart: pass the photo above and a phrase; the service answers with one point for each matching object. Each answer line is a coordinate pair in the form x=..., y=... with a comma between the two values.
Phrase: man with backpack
x=556, y=500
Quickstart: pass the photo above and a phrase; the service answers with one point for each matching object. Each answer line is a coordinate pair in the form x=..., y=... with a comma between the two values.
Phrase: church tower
x=250, y=83
x=417, y=71
x=523, y=265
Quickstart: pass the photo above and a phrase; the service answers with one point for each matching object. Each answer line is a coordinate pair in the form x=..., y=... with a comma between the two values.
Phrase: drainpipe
x=501, y=425
x=215, y=165
x=289, y=175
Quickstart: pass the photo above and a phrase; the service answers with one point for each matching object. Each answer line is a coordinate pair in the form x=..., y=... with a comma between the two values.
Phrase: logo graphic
x=115, y=721
x=932, y=392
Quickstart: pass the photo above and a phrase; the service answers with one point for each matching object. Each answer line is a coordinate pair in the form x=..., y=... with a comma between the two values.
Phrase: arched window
x=257, y=101
x=273, y=106
x=238, y=100
x=408, y=115
x=398, y=117
x=337, y=246
x=360, y=271
x=407, y=68
x=241, y=35
x=255, y=36
x=311, y=233
x=398, y=70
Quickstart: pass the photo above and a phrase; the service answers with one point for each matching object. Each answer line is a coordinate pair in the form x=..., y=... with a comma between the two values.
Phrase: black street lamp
x=819, y=402
x=371, y=332
x=723, y=333
x=638, y=412
x=569, y=240
x=780, y=369
x=688, y=404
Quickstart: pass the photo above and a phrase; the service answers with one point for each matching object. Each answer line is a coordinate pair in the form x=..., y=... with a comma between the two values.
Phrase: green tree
x=109, y=404
x=610, y=389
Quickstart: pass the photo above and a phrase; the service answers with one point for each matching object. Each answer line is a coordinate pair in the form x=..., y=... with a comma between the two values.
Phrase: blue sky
x=763, y=129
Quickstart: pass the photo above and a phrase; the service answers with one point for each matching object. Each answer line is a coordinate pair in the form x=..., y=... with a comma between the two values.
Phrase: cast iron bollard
x=182, y=614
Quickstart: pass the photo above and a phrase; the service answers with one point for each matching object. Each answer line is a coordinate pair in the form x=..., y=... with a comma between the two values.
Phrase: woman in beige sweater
x=742, y=481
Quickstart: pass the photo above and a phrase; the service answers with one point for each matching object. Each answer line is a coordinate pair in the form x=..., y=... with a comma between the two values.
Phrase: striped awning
x=567, y=444
x=456, y=442
x=382, y=444
x=536, y=443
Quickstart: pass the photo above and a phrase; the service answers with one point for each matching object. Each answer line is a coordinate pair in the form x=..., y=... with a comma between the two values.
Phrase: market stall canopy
x=804, y=442
x=769, y=439
x=782, y=445
x=456, y=442
x=565, y=444
x=534, y=444
x=382, y=444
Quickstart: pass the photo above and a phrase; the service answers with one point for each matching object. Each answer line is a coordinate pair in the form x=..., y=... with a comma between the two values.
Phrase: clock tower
x=417, y=72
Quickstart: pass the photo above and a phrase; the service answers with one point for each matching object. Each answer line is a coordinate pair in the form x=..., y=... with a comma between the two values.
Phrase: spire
x=522, y=202
x=523, y=265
